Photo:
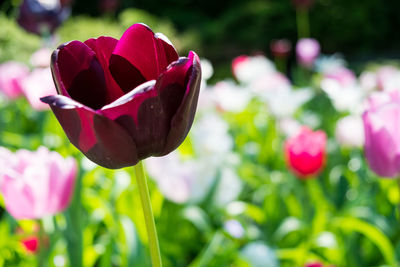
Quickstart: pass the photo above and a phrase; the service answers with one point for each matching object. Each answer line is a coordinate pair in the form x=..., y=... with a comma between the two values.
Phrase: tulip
x=307, y=50
x=42, y=17
x=305, y=152
x=11, y=75
x=38, y=84
x=230, y=97
x=305, y=4
x=121, y=101
x=246, y=69
x=41, y=58
x=280, y=48
x=234, y=228
x=388, y=78
x=341, y=86
x=31, y=244
x=109, y=6
x=382, y=127
x=36, y=184
x=350, y=131
x=314, y=264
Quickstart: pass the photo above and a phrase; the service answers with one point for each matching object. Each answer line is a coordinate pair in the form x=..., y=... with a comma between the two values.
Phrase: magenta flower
x=11, y=75
x=36, y=184
x=305, y=152
x=121, y=101
x=382, y=139
x=307, y=50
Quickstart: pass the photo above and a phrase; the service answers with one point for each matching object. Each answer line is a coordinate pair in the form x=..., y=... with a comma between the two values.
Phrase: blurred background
x=292, y=160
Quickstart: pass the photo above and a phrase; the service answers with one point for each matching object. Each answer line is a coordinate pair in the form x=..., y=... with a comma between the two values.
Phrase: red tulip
x=305, y=152
x=121, y=101
x=31, y=244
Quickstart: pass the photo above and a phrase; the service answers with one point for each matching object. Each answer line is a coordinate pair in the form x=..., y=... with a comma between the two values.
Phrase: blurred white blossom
x=350, y=131
x=246, y=69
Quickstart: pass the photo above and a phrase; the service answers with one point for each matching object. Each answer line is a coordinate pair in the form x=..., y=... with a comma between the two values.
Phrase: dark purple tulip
x=304, y=4
x=41, y=17
x=281, y=48
x=122, y=101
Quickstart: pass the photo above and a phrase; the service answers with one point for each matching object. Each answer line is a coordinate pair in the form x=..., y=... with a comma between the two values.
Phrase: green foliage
x=15, y=43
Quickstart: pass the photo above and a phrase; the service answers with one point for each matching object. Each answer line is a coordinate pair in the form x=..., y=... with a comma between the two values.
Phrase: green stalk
x=303, y=27
x=73, y=231
x=148, y=215
x=398, y=188
x=42, y=255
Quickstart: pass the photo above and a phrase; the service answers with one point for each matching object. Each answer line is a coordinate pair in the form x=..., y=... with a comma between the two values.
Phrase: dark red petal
x=140, y=112
x=79, y=75
x=102, y=140
x=184, y=116
x=126, y=75
x=147, y=111
x=147, y=52
x=103, y=47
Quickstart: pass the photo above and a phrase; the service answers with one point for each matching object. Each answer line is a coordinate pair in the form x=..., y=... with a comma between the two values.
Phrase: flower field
x=287, y=156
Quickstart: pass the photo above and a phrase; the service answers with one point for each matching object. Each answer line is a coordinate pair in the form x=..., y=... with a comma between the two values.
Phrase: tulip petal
x=184, y=116
x=102, y=140
x=141, y=113
x=380, y=148
x=149, y=53
x=103, y=47
x=78, y=74
x=147, y=111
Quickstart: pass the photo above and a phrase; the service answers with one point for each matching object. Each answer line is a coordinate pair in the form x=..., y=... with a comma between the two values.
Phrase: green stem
x=73, y=231
x=42, y=246
x=148, y=215
x=303, y=27
x=398, y=188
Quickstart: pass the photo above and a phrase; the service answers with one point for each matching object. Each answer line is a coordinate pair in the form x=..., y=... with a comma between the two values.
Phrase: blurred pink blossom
x=342, y=75
x=11, y=75
x=340, y=84
x=307, y=50
x=36, y=85
x=382, y=128
x=305, y=152
x=41, y=58
x=35, y=184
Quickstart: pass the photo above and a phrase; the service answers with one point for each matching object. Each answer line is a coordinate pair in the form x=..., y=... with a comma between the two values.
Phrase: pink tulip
x=307, y=50
x=38, y=84
x=382, y=128
x=305, y=152
x=343, y=76
x=11, y=75
x=41, y=58
x=36, y=184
